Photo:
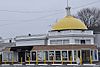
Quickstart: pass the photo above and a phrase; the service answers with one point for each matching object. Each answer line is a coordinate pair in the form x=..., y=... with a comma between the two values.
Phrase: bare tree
x=91, y=17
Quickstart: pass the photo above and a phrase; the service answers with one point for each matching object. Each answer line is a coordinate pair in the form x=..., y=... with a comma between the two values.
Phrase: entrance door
x=21, y=55
x=85, y=56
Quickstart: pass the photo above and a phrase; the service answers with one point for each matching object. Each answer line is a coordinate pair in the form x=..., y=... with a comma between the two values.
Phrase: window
x=65, y=42
x=33, y=54
x=40, y=55
x=58, y=42
x=79, y=53
x=46, y=55
x=9, y=56
x=5, y=56
x=70, y=55
x=91, y=54
x=75, y=54
x=52, y=41
x=77, y=41
x=27, y=56
x=14, y=56
x=57, y=55
x=95, y=54
x=82, y=41
x=51, y=55
x=88, y=41
x=64, y=55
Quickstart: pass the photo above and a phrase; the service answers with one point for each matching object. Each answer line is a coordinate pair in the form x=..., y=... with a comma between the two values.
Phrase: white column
x=73, y=55
x=61, y=55
x=48, y=56
x=90, y=55
x=80, y=53
x=17, y=56
x=25, y=57
x=67, y=56
x=93, y=55
x=30, y=55
x=72, y=40
x=36, y=55
x=54, y=55
x=97, y=56
x=49, y=42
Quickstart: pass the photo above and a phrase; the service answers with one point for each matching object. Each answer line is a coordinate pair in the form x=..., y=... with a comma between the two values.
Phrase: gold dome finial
x=69, y=23
x=67, y=3
x=68, y=9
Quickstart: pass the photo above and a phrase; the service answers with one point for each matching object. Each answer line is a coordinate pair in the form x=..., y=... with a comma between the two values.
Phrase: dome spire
x=68, y=9
x=67, y=3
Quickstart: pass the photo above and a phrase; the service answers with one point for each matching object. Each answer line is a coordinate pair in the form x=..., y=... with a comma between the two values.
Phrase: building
x=67, y=40
x=97, y=41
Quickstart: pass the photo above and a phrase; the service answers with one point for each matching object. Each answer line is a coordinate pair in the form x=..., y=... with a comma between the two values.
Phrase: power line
x=36, y=19
x=29, y=20
x=98, y=1
x=46, y=11
x=49, y=11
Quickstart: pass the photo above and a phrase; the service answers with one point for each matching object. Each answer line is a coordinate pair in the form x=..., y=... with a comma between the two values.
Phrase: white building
x=67, y=40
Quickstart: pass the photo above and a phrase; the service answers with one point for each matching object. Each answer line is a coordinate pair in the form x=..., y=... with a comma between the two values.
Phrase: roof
x=21, y=48
x=69, y=23
x=50, y=47
x=3, y=46
x=63, y=47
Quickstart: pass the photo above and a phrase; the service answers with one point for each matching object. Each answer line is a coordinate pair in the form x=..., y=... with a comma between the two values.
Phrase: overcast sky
x=21, y=17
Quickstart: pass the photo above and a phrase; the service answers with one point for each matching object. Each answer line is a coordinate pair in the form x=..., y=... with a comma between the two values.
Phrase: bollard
x=80, y=60
x=44, y=60
x=21, y=61
x=90, y=59
x=70, y=59
x=29, y=60
x=12, y=59
x=62, y=60
x=53, y=60
x=36, y=59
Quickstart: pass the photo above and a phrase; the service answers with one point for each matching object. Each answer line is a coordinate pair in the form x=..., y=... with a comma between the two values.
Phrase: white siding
x=97, y=39
x=72, y=40
x=30, y=43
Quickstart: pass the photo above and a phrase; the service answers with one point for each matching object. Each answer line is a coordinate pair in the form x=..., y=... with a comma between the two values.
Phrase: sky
x=23, y=17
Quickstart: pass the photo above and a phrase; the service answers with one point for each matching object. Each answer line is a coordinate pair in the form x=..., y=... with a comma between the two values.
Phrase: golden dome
x=69, y=23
